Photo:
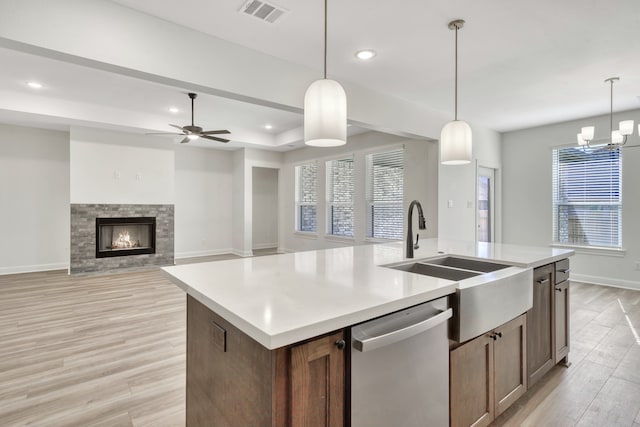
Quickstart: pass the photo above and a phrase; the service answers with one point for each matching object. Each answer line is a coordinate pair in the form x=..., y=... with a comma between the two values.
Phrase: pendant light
x=325, y=108
x=617, y=137
x=455, y=138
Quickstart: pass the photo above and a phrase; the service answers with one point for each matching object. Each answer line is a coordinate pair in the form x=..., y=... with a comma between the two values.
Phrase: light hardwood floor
x=109, y=350
x=103, y=350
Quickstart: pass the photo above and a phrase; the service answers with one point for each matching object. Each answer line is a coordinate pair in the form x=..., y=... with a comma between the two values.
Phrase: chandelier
x=617, y=137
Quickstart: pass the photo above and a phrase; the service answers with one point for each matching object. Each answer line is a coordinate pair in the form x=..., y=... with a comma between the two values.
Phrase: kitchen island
x=259, y=328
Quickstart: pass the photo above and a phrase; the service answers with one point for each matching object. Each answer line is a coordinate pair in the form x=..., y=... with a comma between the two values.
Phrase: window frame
x=370, y=203
x=329, y=194
x=299, y=204
x=556, y=203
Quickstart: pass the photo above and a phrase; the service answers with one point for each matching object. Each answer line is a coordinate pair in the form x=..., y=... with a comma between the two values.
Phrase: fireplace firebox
x=125, y=236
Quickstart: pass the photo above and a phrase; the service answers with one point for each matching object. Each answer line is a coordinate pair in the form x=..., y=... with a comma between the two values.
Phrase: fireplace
x=125, y=236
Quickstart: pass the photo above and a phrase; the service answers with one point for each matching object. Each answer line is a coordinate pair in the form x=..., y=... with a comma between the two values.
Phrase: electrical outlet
x=116, y=174
x=450, y=203
x=638, y=265
x=139, y=176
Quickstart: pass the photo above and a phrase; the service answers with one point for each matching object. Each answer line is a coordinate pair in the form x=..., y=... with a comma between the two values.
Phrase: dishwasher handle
x=398, y=335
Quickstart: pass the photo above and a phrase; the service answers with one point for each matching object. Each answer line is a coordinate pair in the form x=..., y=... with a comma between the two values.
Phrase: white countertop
x=283, y=299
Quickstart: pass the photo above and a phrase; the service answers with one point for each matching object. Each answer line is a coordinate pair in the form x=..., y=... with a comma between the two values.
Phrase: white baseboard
x=34, y=268
x=265, y=245
x=606, y=281
x=197, y=254
x=285, y=251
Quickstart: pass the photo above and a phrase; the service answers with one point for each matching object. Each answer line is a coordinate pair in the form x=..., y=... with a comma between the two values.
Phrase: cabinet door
x=317, y=383
x=471, y=383
x=540, y=325
x=510, y=356
x=561, y=303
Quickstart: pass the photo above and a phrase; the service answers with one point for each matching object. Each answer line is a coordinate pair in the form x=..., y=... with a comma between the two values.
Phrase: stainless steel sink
x=467, y=264
x=489, y=294
x=436, y=271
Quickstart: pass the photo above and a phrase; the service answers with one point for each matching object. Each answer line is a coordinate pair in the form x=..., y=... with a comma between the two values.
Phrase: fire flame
x=124, y=241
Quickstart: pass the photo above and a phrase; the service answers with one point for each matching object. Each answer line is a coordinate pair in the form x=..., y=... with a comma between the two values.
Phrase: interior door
x=485, y=217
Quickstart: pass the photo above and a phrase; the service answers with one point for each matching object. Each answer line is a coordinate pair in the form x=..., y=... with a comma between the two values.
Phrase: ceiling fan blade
x=213, y=138
x=214, y=132
x=177, y=127
x=186, y=139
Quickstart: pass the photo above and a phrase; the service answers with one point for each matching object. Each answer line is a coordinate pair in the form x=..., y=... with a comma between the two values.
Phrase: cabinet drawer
x=562, y=270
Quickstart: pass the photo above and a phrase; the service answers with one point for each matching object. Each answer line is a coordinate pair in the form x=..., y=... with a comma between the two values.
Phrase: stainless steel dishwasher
x=400, y=368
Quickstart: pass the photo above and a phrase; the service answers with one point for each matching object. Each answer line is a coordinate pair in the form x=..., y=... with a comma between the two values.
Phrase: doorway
x=264, y=211
x=485, y=215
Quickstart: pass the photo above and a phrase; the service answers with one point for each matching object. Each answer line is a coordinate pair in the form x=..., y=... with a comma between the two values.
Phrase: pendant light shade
x=455, y=143
x=325, y=114
x=325, y=108
x=455, y=138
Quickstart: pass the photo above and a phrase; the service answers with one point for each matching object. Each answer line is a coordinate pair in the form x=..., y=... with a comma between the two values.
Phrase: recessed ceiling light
x=365, y=54
x=173, y=110
x=268, y=127
x=34, y=85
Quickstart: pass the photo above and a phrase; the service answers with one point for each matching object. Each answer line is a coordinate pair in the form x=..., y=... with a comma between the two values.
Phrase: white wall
x=116, y=167
x=203, y=201
x=458, y=185
x=238, y=203
x=420, y=183
x=527, y=210
x=34, y=199
x=265, y=208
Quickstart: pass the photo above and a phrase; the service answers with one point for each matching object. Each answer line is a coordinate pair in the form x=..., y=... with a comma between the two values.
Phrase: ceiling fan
x=193, y=132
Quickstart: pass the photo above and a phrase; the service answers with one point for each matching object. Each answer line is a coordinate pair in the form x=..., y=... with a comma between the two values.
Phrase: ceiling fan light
x=626, y=127
x=193, y=137
x=616, y=137
x=325, y=114
x=455, y=143
x=587, y=133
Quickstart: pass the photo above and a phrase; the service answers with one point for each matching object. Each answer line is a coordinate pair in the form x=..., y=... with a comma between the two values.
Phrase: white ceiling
x=70, y=87
x=522, y=64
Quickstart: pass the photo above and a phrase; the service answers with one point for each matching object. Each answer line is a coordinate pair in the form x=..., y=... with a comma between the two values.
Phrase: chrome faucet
x=421, y=225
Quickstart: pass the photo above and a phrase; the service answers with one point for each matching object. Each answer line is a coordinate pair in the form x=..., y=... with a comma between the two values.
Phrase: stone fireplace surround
x=82, y=247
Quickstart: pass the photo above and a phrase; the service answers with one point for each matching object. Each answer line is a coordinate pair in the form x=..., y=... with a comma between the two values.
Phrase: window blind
x=306, y=197
x=340, y=184
x=385, y=194
x=587, y=197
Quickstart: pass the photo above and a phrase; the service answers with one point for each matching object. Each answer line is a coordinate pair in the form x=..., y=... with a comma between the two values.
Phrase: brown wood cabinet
x=488, y=374
x=317, y=382
x=561, y=312
x=510, y=356
x=232, y=380
x=540, y=325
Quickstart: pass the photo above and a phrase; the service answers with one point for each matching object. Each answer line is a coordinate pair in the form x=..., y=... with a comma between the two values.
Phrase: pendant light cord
x=192, y=111
x=456, y=80
x=325, y=39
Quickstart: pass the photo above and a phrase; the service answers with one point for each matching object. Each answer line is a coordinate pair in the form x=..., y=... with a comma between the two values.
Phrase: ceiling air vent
x=267, y=12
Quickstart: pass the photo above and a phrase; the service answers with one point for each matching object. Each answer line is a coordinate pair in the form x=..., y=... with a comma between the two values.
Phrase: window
x=306, y=197
x=340, y=179
x=587, y=197
x=385, y=189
